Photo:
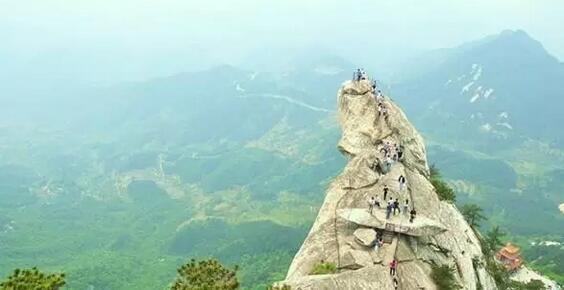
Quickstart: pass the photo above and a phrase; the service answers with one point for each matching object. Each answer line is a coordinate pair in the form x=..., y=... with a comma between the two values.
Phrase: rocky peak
x=382, y=145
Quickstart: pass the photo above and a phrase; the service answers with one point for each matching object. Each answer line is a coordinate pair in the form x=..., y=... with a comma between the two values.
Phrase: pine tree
x=492, y=240
x=33, y=279
x=205, y=275
x=473, y=214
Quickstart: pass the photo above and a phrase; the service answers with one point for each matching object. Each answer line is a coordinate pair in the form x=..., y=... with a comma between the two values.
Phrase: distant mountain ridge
x=502, y=87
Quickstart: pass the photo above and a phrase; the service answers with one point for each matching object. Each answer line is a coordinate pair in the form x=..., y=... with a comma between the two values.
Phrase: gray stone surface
x=371, y=277
x=421, y=226
x=355, y=259
x=365, y=236
x=360, y=217
x=526, y=275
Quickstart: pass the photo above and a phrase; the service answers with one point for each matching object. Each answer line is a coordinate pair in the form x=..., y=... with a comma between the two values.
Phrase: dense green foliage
x=324, y=268
x=473, y=214
x=205, y=275
x=33, y=279
x=531, y=285
x=523, y=201
x=492, y=241
x=488, y=172
x=548, y=259
x=128, y=218
x=525, y=198
x=503, y=280
x=476, y=263
x=444, y=191
x=443, y=277
x=498, y=273
x=434, y=171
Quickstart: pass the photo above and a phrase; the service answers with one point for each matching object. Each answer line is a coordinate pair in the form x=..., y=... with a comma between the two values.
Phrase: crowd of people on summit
x=390, y=153
x=360, y=75
x=393, y=206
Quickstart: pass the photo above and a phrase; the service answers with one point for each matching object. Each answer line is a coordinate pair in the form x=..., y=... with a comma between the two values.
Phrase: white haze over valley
x=53, y=42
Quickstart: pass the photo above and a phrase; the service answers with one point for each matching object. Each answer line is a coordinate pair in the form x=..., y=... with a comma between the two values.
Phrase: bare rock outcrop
x=365, y=236
x=420, y=226
x=526, y=275
x=438, y=234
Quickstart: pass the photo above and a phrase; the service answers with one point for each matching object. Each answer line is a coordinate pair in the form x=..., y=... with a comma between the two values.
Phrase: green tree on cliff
x=473, y=214
x=444, y=191
x=205, y=275
x=492, y=240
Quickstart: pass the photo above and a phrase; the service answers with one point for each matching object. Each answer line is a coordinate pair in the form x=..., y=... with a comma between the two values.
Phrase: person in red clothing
x=393, y=267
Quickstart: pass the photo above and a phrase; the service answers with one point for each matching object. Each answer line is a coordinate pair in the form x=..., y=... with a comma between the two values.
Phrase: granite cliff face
x=344, y=232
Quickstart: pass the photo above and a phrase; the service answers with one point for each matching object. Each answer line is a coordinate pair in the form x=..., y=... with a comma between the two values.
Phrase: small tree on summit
x=205, y=275
x=473, y=214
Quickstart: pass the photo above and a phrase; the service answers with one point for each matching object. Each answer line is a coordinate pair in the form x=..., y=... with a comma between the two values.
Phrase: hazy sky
x=115, y=40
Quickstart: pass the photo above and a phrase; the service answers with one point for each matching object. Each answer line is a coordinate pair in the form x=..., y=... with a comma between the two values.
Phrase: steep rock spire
x=439, y=234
